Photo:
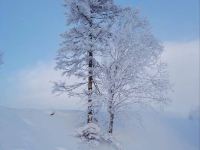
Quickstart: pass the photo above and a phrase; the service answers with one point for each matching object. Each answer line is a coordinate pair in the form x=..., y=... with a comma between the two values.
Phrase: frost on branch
x=84, y=42
x=132, y=72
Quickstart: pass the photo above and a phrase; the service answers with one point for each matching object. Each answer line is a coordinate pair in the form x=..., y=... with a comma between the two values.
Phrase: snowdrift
x=39, y=130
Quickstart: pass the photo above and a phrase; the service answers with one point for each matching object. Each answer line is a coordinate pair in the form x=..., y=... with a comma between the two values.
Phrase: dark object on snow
x=53, y=113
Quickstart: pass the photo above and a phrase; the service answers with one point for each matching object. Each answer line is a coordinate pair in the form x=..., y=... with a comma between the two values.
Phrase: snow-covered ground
x=38, y=130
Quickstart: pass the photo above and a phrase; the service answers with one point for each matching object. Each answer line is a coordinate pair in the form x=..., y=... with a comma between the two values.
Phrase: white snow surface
x=22, y=129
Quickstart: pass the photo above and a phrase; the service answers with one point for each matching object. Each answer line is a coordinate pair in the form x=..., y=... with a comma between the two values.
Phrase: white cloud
x=32, y=87
x=183, y=65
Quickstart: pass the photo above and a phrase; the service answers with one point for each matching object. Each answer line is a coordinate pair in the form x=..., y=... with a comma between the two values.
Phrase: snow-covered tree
x=132, y=72
x=89, y=23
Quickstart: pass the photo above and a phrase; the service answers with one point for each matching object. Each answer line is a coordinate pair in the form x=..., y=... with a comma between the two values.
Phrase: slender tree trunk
x=90, y=82
x=90, y=117
x=110, y=129
x=111, y=113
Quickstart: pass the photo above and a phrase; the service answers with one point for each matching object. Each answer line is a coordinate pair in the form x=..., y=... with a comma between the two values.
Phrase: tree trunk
x=90, y=81
x=90, y=78
x=110, y=130
x=111, y=113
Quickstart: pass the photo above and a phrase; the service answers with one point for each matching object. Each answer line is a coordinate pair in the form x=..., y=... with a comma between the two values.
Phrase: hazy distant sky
x=29, y=38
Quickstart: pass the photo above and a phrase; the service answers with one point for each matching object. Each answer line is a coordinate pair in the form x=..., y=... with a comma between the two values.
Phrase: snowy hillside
x=38, y=130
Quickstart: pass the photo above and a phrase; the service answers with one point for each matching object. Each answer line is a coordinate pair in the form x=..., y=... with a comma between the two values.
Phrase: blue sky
x=29, y=30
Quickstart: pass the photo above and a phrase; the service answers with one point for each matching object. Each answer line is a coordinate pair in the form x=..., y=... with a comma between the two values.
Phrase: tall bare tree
x=132, y=72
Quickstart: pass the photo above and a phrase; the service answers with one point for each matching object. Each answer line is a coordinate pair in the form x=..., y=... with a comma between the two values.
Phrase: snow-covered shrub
x=90, y=131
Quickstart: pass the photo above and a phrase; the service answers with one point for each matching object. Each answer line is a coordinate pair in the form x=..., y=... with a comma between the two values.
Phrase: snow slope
x=38, y=130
